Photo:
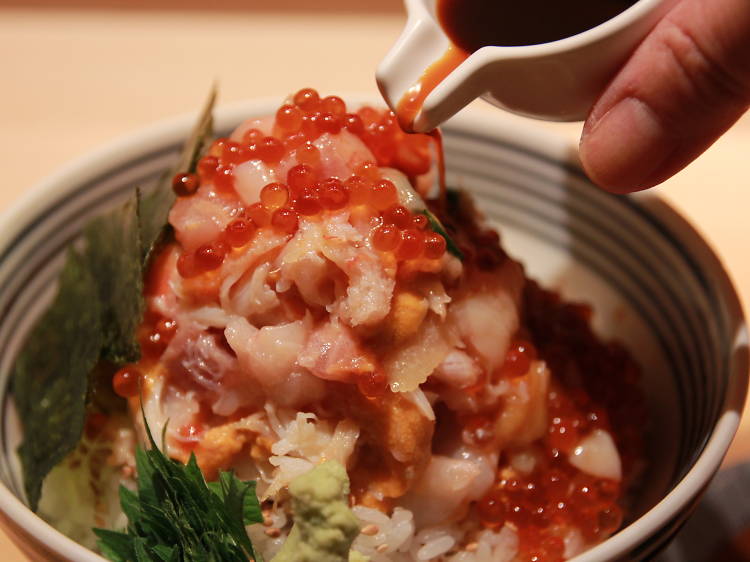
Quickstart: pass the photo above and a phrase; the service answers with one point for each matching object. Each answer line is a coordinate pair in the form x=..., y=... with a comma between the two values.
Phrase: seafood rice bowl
x=321, y=297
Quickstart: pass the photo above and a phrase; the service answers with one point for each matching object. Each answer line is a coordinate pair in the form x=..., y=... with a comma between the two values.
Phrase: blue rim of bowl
x=641, y=536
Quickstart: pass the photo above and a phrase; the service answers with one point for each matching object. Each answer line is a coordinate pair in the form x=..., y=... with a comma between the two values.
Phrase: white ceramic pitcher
x=557, y=81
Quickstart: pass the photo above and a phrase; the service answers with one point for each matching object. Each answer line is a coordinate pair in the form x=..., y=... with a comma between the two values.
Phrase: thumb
x=684, y=86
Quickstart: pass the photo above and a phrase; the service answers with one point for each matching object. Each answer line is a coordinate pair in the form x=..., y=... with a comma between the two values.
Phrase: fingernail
x=625, y=147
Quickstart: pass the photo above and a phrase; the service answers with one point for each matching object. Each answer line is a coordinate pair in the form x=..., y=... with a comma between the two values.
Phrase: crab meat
x=333, y=352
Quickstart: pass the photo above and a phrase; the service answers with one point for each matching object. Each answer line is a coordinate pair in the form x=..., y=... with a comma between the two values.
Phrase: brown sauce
x=472, y=24
x=409, y=105
x=437, y=136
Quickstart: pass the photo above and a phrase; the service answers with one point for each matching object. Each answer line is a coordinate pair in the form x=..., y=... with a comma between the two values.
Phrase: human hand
x=684, y=86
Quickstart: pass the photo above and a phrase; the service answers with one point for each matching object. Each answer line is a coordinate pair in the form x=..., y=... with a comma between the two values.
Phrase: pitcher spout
x=419, y=66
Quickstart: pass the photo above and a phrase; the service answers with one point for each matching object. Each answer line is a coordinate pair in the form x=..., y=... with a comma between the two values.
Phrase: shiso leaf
x=129, y=503
x=251, y=512
x=143, y=467
x=155, y=206
x=113, y=545
x=92, y=321
x=164, y=552
x=51, y=374
x=141, y=552
x=235, y=493
x=177, y=516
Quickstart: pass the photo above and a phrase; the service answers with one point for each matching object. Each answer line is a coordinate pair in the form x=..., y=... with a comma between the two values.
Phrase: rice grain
x=436, y=547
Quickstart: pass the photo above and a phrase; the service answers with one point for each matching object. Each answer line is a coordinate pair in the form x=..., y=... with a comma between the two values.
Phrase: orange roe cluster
x=600, y=379
x=305, y=193
x=595, y=387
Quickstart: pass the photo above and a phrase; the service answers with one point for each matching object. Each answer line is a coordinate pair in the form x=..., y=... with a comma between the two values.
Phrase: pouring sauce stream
x=473, y=24
x=411, y=103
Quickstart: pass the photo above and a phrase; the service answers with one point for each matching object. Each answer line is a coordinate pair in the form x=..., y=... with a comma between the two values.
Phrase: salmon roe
x=186, y=265
x=289, y=118
x=210, y=256
x=419, y=221
x=353, y=124
x=207, y=167
x=434, y=245
x=411, y=244
x=224, y=178
x=333, y=194
x=252, y=136
x=397, y=215
x=301, y=177
x=270, y=150
x=239, y=232
x=185, y=185
x=333, y=105
x=359, y=189
x=285, y=221
x=385, y=238
x=126, y=381
x=306, y=191
x=307, y=99
x=518, y=359
x=594, y=387
x=307, y=202
x=259, y=214
x=274, y=195
x=308, y=154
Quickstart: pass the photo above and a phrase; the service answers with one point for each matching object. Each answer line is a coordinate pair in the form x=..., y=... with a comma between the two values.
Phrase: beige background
x=75, y=75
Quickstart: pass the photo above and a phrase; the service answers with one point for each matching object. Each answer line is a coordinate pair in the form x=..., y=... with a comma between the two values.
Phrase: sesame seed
x=381, y=548
x=370, y=530
x=273, y=532
x=471, y=547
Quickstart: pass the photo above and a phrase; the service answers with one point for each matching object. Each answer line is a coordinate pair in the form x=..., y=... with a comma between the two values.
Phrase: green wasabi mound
x=324, y=526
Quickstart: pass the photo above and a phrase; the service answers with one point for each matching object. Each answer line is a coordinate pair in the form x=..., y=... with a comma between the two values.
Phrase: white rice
x=394, y=539
x=436, y=547
x=394, y=533
x=501, y=546
x=397, y=540
x=266, y=542
x=299, y=441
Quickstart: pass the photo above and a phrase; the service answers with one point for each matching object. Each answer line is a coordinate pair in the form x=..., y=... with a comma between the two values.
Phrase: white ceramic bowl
x=652, y=280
